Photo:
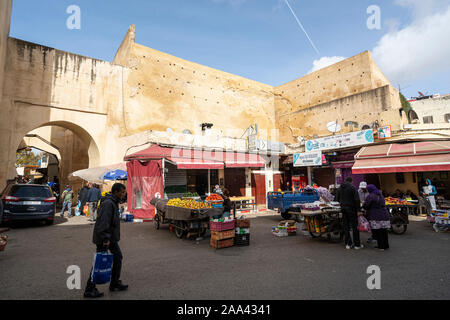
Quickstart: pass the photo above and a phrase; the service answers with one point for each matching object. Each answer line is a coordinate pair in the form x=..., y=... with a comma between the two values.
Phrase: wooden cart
x=185, y=222
x=326, y=222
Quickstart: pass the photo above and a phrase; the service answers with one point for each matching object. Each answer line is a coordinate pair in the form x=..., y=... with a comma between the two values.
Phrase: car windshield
x=30, y=192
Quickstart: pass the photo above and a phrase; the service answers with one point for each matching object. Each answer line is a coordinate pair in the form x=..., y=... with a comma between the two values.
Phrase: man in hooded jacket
x=106, y=237
x=348, y=197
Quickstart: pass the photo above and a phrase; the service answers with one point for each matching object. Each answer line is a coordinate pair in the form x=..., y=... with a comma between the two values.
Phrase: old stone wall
x=5, y=18
x=169, y=92
x=348, y=90
x=364, y=108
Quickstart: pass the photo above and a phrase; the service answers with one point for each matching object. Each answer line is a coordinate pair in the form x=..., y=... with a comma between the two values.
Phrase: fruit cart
x=184, y=221
x=324, y=221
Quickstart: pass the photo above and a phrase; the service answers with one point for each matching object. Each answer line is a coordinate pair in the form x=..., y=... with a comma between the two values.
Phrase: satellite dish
x=187, y=131
x=334, y=127
x=169, y=130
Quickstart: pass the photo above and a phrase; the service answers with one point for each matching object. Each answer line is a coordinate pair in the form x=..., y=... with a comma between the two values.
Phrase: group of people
x=369, y=198
x=90, y=194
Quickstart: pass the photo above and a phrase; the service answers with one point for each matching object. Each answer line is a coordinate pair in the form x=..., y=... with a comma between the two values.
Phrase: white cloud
x=325, y=62
x=419, y=49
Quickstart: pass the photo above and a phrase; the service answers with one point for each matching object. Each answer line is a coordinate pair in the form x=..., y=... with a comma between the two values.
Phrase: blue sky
x=257, y=39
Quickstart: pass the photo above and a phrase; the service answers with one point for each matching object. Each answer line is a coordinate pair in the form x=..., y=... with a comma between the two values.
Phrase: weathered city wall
x=364, y=108
x=169, y=92
x=5, y=18
x=351, y=90
x=48, y=87
x=110, y=107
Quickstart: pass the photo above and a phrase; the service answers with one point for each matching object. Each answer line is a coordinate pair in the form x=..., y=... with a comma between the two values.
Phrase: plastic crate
x=215, y=203
x=221, y=226
x=242, y=240
x=129, y=218
x=220, y=235
x=219, y=244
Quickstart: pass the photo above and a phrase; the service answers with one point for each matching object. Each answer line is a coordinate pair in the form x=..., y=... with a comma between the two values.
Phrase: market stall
x=175, y=168
x=186, y=217
x=399, y=211
x=323, y=219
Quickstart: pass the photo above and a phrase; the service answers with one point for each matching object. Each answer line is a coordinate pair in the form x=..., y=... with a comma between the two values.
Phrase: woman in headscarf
x=378, y=216
x=429, y=191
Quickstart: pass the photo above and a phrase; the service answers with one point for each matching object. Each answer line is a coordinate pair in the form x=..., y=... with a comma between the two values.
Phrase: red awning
x=243, y=160
x=193, y=159
x=184, y=163
x=410, y=157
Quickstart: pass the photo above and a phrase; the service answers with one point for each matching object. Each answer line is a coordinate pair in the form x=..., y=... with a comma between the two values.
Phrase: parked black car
x=28, y=202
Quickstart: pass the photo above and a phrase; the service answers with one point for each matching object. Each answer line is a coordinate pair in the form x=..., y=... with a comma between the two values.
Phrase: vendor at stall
x=362, y=191
x=429, y=191
x=226, y=203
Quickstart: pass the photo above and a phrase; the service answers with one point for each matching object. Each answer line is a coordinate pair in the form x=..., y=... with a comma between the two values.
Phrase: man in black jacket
x=106, y=237
x=348, y=197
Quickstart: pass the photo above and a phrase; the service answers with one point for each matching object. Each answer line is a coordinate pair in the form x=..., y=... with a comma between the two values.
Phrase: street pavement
x=157, y=265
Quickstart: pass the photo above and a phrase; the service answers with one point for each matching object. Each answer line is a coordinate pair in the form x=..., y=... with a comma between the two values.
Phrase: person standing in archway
x=93, y=197
x=67, y=198
x=82, y=196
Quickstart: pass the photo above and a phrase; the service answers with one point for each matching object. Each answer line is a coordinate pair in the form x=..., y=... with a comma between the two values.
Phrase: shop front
x=188, y=171
x=407, y=166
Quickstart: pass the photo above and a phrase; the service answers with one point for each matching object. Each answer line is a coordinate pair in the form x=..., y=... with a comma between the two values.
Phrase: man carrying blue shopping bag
x=106, y=237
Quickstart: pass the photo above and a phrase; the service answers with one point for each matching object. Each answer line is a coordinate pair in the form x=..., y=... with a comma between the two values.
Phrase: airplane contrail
x=301, y=26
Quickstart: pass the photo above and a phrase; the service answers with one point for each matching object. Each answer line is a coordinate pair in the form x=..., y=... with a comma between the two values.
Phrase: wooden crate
x=219, y=244
x=220, y=235
x=242, y=223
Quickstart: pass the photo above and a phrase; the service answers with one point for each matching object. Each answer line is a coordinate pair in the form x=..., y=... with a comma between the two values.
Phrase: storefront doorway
x=259, y=188
x=235, y=181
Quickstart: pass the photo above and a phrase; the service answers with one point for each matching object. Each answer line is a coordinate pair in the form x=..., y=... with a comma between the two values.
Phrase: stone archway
x=23, y=127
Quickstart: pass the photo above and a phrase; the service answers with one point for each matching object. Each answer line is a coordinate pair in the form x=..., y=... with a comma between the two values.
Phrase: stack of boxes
x=222, y=233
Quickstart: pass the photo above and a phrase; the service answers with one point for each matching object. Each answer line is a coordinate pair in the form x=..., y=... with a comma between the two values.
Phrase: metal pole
x=209, y=181
x=164, y=177
x=309, y=175
x=234, y=210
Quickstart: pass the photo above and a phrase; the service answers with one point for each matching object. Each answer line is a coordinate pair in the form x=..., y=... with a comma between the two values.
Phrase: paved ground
x=157, y=265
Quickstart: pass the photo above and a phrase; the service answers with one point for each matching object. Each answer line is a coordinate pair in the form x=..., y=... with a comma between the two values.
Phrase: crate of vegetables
x=215, y=200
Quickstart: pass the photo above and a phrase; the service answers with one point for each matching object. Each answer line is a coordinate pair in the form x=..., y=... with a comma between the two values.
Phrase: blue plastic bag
x=101, y=272
x=77, y=210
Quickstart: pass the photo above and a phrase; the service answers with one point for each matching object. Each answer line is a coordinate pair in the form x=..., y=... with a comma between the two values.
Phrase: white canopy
x=95, y=175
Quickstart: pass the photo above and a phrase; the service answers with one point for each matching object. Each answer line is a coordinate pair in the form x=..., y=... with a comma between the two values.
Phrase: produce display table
x=184, y=221
x=243, y=202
